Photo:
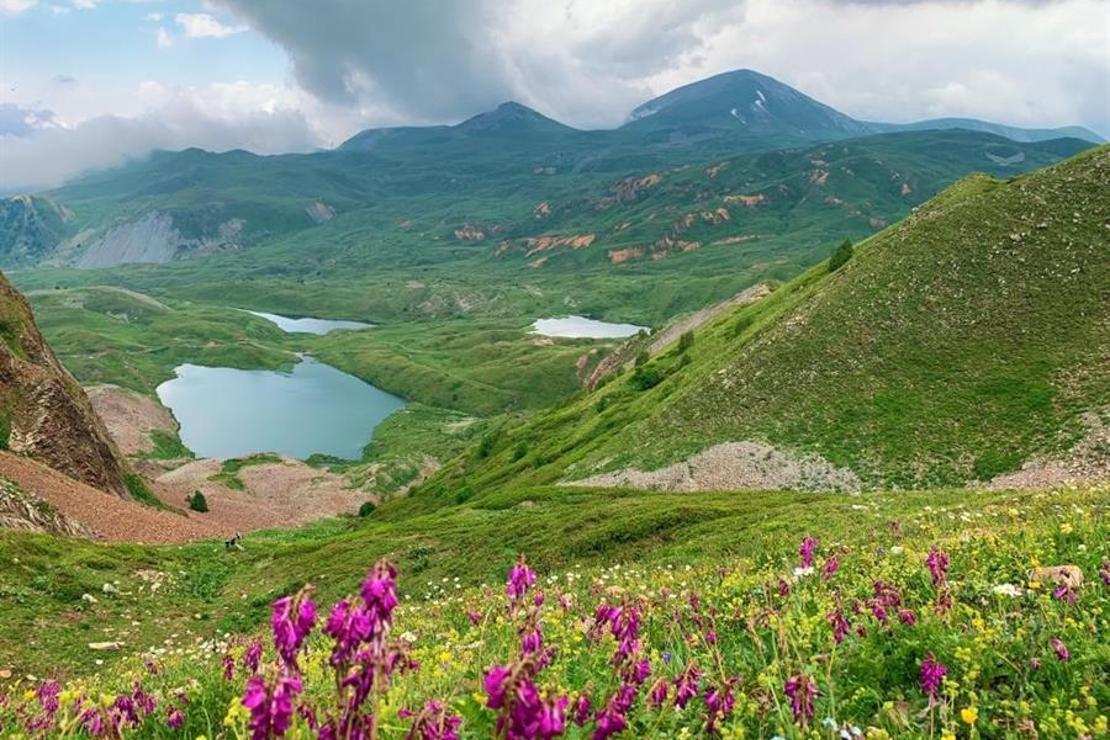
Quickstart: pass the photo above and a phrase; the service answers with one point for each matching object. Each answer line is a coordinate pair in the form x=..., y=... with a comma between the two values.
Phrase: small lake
x=226, y=412
x=309, y=325
x=579, y=327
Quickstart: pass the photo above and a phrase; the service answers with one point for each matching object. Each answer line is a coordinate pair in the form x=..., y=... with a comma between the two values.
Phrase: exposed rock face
x=155, y=238
x=21, y=510
x=31, y=228
x=44, y=413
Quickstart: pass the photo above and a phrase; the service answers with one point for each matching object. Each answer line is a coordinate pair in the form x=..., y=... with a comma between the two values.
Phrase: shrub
x=686, y=341
x=520, y=450
x=842, y=254
x=197, y=502
x=642, y=358
x=645, y=377
x=367, y=508
x=464, y=494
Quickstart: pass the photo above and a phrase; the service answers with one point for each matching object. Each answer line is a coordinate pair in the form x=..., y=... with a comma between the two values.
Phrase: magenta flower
x=291, y=619
x=801, y=690
x=495, y=684
x=1060, y=649
x=229, y=667
x=686, y=686
x=1104, y=573
x=840, y=626
x=905, y=616
x=47, y=694
x=657, y=694
x=349, y=626
x=521, y=578
x=932, y=674
x=832, y=565
x=379, y=594
x=252, y=656
x=937, y=563
x=719, y=702
x=807, y=550
x=582, y=708
x=435, y=723
x=613, y=717
x=92, y=721
x=271, y=708
x=175, y=720
x=1064, y=592
x=474, y=617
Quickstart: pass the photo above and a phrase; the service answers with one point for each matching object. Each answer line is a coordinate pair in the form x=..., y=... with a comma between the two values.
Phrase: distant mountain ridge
x=177, y=205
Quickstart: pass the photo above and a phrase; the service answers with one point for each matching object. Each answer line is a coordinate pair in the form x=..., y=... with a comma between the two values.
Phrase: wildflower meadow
x=987, y=625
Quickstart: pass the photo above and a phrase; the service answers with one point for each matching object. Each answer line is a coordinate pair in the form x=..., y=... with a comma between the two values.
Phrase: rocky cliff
x=44, y=413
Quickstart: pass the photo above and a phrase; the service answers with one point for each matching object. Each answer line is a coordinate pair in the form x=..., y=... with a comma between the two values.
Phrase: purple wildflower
x=252, y=656
x=686, y=686
x=1064, y=592
x=807, y=550
x=521, y=578
x=1060, y=649
x=657, y=694
x=937, y=563
x=719, y=702
x=271, y=708
x=832, y=565
x=1104, y=573
x=229, y=667
x=840, y=626
x=435, y=723
x=932, y=674
x=582, y=708
x=47, y=694
x=175, y=720
x=905, y=616
x=379, y=594
x=801, y=690
x=291, y=619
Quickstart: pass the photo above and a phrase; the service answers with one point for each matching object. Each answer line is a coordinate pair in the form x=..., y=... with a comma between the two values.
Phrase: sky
x=90, y=83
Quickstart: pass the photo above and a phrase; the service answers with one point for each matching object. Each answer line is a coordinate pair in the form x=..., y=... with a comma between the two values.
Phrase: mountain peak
x=747, y=101
x=511, y=116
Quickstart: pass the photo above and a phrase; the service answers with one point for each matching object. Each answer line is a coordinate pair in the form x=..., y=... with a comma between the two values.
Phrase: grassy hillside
x=954, y=346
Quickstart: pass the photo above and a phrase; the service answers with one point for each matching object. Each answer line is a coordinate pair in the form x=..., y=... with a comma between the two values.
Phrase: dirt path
x=108, y=517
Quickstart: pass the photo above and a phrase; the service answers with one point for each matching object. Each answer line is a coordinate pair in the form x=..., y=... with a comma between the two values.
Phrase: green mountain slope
x=952, y=347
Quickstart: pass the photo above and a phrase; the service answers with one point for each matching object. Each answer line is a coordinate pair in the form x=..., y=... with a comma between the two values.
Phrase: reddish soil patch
x=109, y=517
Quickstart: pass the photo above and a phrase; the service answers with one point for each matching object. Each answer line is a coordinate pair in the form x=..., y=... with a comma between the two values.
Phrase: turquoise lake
x=309, y=325
x=226, y=412
x=580, y=327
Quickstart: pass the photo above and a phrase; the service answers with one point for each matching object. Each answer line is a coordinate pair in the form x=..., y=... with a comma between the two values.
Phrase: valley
x=757, y=392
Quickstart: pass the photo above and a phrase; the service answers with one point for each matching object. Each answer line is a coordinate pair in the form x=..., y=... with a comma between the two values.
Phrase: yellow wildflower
x=969, y=715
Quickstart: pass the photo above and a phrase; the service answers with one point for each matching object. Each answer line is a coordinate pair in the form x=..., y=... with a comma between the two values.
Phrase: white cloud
x=85, y=4
x=15, y=7
x=38, y=150
x=163, y=38
x=154, y=17
x=1032, y=62
x=204, y=26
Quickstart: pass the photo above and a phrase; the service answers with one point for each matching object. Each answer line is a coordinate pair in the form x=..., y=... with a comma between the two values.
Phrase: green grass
x=168, y=446
x=229, y=469
x=140, y=491
x=43, y=578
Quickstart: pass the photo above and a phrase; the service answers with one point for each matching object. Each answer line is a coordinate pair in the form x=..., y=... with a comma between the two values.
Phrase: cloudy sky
x=88, y=83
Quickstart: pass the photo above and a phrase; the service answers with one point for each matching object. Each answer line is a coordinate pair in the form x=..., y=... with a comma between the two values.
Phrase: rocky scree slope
x=44, y=413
